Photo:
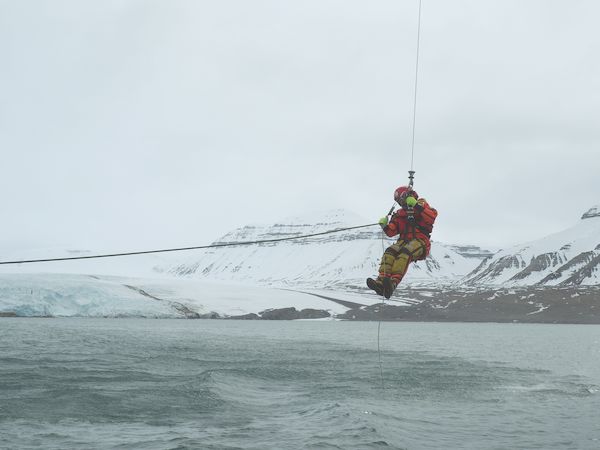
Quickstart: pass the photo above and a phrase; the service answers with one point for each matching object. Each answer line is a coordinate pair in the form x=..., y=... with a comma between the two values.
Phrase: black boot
x=375, y=285
x=389, y=286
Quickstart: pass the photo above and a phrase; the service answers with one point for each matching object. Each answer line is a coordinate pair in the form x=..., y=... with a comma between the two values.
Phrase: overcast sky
x=143, y=124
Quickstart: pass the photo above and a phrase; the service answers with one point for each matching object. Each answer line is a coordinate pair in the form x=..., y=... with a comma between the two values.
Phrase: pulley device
x=411, y=178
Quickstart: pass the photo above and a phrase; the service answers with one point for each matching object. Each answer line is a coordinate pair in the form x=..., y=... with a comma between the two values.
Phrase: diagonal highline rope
x=180, y=249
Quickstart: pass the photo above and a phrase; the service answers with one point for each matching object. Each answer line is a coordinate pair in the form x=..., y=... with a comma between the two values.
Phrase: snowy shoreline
x=76, y=295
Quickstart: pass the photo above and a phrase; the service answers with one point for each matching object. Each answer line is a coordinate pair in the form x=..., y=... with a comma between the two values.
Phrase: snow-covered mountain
x=340, y=259
x=320, y=276
x=568, y=258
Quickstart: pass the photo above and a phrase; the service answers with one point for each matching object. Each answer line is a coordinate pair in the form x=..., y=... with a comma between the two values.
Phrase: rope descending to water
x=378, y=346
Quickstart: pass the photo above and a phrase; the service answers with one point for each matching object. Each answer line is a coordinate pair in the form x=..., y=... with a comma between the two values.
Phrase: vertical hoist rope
x=412, y=151
x=411, y=174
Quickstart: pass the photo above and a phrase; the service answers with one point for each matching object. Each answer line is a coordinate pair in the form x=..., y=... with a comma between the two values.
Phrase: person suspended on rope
x=414, y=224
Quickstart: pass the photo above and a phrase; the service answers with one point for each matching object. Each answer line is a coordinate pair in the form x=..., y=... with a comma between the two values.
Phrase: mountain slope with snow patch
x=570, y=257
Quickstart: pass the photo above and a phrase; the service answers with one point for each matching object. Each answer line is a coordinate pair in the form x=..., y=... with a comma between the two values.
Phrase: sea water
x=214, y=384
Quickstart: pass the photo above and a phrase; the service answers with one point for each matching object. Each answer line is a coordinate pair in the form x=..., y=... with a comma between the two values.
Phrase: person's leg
x=406, y=253
x=385, y=267
x=389, y=258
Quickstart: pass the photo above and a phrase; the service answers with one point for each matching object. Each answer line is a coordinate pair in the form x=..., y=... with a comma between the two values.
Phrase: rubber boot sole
x=388, y=287
x=374, y=285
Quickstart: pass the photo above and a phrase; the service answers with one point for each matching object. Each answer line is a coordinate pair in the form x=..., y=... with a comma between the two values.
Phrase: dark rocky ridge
x=575, y=305
x=284, y=314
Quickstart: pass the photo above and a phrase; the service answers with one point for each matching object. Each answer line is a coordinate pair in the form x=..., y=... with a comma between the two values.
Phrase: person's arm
x=391, y=228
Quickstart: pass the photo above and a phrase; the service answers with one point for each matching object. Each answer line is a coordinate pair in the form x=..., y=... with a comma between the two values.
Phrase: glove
x=383, y=221
x=411, y=202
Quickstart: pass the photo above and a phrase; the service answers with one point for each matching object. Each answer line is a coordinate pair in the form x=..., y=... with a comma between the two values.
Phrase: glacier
x=77, y=295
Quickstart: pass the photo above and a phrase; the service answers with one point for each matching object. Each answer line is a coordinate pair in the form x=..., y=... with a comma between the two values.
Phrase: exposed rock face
x=495, y=269
x=280, y=314
x=472, y=251
x=587, y=271
x=250, y=316
x=293, y=314
x=572, y=266
x=310, y=313
x=592, y=212
x=538, y=264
